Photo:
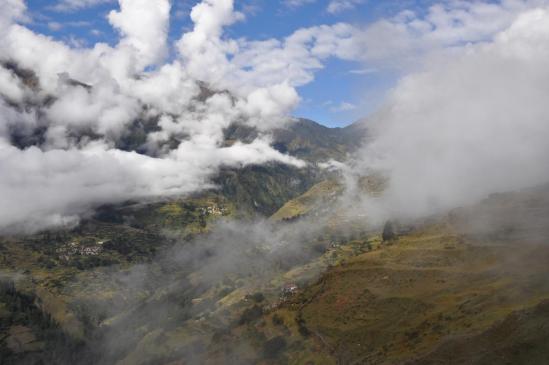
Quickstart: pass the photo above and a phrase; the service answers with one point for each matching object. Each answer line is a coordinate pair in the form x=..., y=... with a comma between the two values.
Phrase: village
x=214, y=209
x=84, y=247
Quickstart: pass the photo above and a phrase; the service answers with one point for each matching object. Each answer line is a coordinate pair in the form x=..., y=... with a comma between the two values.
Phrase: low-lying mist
x=185, y=288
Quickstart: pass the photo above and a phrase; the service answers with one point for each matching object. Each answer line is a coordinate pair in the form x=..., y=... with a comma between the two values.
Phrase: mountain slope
x=468, y=288
x=253, y=189
x=314, y=199
x=520, y=339
x=264, y=189
x=447, y=290
x=308, y=140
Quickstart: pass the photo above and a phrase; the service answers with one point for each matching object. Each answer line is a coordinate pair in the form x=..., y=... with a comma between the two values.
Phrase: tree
x=278, y=320
x=273, y=347
x=251, y=314
x=388, y=232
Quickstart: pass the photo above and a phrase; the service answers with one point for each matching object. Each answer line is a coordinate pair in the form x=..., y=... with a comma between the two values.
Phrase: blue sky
x=336, y=97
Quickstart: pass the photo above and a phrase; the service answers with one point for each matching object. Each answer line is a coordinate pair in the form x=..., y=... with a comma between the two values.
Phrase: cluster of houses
x=73, y=248
x=214, y=209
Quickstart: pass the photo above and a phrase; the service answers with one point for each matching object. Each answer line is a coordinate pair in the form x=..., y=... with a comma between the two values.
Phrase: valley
x=293, y=182
x=335, y=295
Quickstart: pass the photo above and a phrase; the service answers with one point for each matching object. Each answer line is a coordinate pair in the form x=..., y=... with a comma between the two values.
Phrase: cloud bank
x=474, y=122
x=403, y=40
x=69, y=116
x=84, y=126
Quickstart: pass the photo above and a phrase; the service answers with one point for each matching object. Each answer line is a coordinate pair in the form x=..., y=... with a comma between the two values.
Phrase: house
x=289, y=289
x=88, y=247
x=65, y=252
x=213, y=210
x=90, y=250
x=334, y=244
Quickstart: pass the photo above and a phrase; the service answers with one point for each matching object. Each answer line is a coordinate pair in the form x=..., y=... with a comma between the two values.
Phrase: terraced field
x=450, y=292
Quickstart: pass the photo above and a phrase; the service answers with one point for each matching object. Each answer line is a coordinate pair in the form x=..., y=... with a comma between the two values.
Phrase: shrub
x=302, y=328
x=225, y=291
x=251, y=314
x=258, y=297
x=388, y=232
x=273, y=347
x=277, y=320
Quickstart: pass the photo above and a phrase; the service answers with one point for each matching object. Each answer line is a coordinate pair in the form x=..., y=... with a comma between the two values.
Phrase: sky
x=339, y=94
x=454, y=93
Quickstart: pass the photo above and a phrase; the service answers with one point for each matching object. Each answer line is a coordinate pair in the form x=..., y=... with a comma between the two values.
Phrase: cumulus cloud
x=470, y=124
x=144, y=26
x=65, y=100
x=293, y=59
x=11, y=10
x=402, y=41
x=45, y=188
x=70, y=113
x=10, y=87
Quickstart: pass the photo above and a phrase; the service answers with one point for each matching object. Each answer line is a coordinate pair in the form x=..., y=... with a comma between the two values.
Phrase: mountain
x=264, y=189
x=54, y=311
x=253, y=189
x=158, y=283
x=308, y=140
x=271, y=267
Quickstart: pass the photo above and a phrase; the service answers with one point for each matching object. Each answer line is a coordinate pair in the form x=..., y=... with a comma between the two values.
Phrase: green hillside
x=448, y=289
x=315, y=198
x=447, y=292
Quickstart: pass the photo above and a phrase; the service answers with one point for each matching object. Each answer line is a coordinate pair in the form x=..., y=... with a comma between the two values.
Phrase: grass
x=319, y=194
x=396, y=302
x=400, y=301
x=360, y=301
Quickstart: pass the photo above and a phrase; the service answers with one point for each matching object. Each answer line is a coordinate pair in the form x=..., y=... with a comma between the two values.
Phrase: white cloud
x=338, y=6
x=143, y=25
x=402, y=41
x=297, y=3
x=472, y=123
x=11, y=10
x=10, y=87
x=342, y=107
x=203, y=49
x=364, y=71
x=74, y=5
x=293, y=59
x=247, y=81
x=75, y=164
x=48, y=188
x=55, y=26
